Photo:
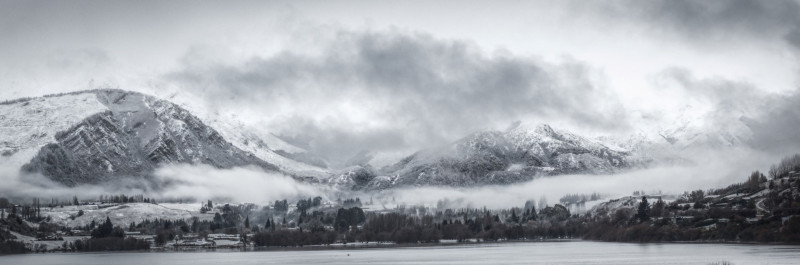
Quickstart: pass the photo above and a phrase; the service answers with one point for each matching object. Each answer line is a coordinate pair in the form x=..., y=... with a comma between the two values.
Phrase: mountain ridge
x=492, y=157
x=94, y=135
x=111, y=133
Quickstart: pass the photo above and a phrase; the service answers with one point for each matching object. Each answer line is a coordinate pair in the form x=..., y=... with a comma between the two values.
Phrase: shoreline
x=385, y=245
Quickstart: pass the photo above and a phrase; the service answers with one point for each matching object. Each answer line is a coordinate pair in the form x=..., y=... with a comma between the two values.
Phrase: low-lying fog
x=201, y=182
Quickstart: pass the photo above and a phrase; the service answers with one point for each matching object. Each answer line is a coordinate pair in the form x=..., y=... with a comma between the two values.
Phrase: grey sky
x=397, y=76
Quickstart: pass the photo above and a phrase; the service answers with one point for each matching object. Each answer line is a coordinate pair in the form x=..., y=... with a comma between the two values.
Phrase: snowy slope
x=266, y=147
x=27, y=126
x=691, y=130
x=702, y=131
x=94, y=136
x=502, y=157
x=122, y=214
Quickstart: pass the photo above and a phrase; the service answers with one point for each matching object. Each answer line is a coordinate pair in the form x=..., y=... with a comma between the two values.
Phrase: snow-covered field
x=630, y=202
x=49, y=244
x=123, y=214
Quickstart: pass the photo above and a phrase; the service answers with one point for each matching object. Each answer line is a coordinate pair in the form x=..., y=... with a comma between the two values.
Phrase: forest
x=762, y=208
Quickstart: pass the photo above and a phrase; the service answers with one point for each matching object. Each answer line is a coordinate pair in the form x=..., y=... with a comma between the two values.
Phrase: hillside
x=100, y=135
x=517, y=154
x=762, y=208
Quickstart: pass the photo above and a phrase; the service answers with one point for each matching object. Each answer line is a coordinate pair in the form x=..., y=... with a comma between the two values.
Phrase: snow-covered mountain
x=522, y=152
x=497, y=157
x=288, y=158
x=98, y=135
x=690, y=131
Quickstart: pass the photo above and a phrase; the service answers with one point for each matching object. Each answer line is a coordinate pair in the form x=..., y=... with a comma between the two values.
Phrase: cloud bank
x=236, y=184
x=172, y=182
x=712, y=170
x=393, y=90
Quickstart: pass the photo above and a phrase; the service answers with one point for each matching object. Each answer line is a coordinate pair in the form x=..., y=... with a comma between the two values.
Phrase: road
x=761, y=207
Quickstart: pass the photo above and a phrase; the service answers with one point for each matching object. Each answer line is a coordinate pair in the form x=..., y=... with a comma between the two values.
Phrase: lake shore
x=516, y=252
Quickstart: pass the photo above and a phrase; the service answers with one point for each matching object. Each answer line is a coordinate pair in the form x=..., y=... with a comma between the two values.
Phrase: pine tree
x=104, y=230
x=247, y=222
x=38, y=209
x=644, y=210
x=217, y=217
x=514, y=217
x=658, y=208
x=195, y=225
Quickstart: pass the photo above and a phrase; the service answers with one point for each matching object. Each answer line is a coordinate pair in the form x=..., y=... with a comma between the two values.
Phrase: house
x=195, y=243
x=223, y=237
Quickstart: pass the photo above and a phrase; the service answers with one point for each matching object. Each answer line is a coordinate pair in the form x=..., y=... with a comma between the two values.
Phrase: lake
x=567, y=252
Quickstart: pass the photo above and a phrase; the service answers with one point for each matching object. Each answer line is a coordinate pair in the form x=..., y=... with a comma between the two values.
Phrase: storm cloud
x=339, y=78
x=778, y=128
x=708, y=21
x=365, y=87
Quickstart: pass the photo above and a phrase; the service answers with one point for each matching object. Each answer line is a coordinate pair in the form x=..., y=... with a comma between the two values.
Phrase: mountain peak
x=518, y=154
x=542, y=128
x=92, y=136
x=545, y=128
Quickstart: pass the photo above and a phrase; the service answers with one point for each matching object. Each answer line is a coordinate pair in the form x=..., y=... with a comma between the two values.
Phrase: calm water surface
x=572, y=252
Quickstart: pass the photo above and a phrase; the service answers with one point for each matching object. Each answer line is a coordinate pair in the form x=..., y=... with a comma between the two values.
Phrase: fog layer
x=201, y=182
